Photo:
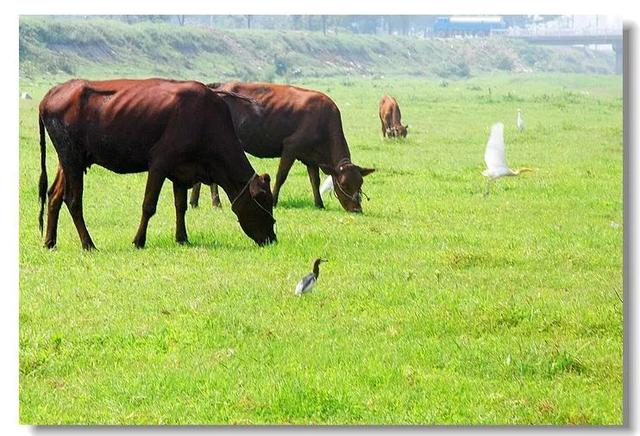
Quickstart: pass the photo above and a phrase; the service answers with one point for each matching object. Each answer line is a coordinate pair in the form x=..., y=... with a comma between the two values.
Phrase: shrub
x=504, y=63
x=455, y=69
x=281, y=65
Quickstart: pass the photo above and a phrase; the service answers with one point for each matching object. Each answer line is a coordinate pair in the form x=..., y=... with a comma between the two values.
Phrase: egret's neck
x=316, y=268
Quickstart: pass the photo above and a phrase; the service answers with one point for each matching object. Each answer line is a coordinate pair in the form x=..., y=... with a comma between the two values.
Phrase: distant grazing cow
x=390, y=118
x=181, y=131
x=296, y=124
x=195, y=195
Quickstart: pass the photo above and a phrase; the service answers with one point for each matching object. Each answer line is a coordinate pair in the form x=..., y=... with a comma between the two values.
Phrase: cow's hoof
x=182, y=241
x=50, y=244
x=88, y=246
x=193, y=205
x=139, y=244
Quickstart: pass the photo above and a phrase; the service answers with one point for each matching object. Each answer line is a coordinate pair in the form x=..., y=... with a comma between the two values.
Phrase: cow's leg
x=215, y=196
x=283, y=171
x=155, y=180
x=384, y=130
x=56, y=194
x=73, y=199
x=314, y=177
x=180, y=201
x=195, y=195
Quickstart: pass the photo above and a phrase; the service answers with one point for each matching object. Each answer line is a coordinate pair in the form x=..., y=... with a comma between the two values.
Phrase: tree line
x=417, y=25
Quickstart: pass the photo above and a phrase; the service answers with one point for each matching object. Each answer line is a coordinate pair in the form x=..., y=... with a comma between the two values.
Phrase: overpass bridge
x=607, y=38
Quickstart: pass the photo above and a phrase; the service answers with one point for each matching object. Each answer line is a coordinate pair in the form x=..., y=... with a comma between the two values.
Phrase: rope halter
x=353, y=197
x=254, y=200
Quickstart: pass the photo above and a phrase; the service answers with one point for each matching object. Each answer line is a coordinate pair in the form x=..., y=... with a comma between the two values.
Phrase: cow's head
x=347, y=184
x=402, y=130
x=254, y=208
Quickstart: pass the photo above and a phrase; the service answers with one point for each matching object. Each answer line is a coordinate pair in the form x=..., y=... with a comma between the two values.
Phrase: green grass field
x=439, y=305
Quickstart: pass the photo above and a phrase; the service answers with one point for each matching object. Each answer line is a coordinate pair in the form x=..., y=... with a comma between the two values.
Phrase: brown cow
x=181, y=131
x=390, y=118
x=195, y=195
x=296, y=124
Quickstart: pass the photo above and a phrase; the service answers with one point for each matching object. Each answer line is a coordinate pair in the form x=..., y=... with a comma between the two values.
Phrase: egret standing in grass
x=327, y=185
x=495, y=158
x=309, y=281
x=520, y=121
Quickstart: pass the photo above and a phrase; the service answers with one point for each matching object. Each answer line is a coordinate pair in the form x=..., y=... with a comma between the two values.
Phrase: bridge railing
x=533, y=32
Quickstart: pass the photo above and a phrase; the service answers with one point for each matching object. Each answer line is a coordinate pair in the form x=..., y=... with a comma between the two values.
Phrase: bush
x=281, y=64
x=504, y=63
x=456, y=69
x=532, y=55
x=347, y=81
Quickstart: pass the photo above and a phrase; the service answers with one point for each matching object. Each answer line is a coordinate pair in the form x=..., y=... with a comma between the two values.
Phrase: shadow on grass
x=296, y=203
x=196, y=240
x=211, y=242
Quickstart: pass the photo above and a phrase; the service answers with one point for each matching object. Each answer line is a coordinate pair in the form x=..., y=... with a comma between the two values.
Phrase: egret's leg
x=486, y=187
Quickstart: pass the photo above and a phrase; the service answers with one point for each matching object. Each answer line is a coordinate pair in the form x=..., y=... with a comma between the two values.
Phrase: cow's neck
x=338, y=164
x=233, y=184
x=339, y=155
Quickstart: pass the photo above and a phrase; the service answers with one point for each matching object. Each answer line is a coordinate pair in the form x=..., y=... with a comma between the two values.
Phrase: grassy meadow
x=439, y=305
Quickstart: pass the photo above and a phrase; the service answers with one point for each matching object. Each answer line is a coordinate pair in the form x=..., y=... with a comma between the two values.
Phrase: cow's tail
x=42, y=191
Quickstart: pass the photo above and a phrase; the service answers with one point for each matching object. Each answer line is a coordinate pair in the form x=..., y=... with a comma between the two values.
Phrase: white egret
x=327, y=185
x=494, y=156
x=520, y=121
x=309, y=281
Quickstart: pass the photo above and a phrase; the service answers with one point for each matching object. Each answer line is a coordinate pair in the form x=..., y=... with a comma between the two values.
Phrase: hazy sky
x=603, y=21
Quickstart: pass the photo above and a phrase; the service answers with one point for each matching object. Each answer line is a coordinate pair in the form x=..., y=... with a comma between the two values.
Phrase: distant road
x=605, y=38
x=566, y=39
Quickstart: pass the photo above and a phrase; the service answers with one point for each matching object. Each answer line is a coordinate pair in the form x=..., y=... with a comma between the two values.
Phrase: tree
x=181, y=20
x=248, y=21
x=425, y=22
x=296, y=21
x=518, y=20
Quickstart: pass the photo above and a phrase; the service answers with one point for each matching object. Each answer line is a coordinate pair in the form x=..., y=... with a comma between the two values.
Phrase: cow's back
x=116, y=123
x=288, y=111
x=389, y=111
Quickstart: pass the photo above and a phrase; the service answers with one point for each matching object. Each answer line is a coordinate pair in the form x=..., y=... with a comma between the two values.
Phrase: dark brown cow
x=296, y=124
x=390, y=118
x=181, y=131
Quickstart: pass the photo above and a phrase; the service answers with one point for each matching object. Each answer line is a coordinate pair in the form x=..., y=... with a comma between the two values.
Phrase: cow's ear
x=406, y=127
x=328, y=169
x=365, y=171
x=260, y=186
x=265, y=177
